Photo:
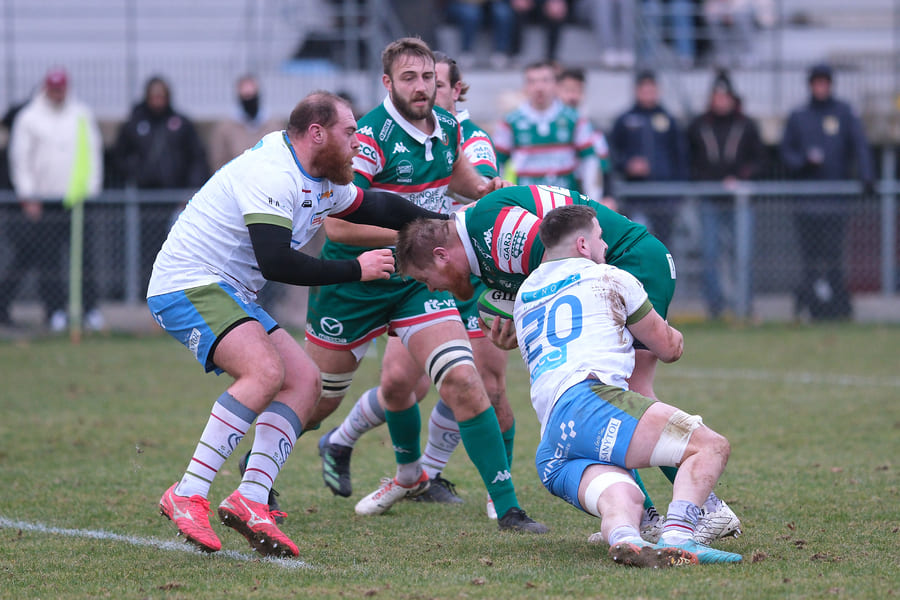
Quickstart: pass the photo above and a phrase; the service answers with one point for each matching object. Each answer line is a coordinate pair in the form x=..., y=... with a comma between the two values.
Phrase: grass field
x=91, y=436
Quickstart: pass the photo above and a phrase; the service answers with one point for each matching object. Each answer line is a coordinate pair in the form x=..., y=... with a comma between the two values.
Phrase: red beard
x=332, y=163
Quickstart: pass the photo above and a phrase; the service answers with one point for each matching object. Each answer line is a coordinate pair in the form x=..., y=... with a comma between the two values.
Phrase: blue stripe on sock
x=284, y=411
x=231, y=404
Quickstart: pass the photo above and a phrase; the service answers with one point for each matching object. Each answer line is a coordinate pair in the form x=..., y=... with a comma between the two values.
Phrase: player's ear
x=386, y=81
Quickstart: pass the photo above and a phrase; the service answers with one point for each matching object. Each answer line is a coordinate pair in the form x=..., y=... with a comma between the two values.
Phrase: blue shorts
x=592, y=423
x=199, y=317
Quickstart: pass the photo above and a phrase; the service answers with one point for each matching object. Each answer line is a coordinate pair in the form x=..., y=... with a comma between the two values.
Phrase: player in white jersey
x=244, y=227
x=576, y=319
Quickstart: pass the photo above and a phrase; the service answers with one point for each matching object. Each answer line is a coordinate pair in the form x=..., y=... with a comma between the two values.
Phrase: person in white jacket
x=55, y=152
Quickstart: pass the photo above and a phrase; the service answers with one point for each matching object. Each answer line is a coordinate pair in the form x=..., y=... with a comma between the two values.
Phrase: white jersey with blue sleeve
x=571, y=318
x=210, y=242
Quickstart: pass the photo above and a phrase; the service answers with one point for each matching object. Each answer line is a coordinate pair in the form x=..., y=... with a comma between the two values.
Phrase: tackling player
x=242, y=228
x=577, y=318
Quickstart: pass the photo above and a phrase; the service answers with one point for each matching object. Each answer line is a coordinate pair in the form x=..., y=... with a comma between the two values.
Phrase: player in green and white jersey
x=443, y=431
x=546, y=141
x=412, y=148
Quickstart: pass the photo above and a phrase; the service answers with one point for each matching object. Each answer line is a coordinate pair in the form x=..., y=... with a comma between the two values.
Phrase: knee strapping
x=599, y=485
x=335, y=385
x=446, y=357
x=674, y=439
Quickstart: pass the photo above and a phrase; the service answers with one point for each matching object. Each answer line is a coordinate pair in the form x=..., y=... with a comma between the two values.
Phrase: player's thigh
x=247, y=352
x=396, y=356
x=444, y=350
x=301, y=375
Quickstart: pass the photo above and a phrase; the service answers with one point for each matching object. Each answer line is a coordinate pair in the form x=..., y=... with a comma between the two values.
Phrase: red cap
x=56, y=78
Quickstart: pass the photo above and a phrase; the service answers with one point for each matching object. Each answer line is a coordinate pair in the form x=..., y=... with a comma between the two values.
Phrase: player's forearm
x=385, y=209
x=277, y=261
x=369, y=236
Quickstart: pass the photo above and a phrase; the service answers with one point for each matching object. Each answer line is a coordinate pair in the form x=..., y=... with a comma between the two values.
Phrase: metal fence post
x=132, y=239
x=743, y=241
x=888, y=221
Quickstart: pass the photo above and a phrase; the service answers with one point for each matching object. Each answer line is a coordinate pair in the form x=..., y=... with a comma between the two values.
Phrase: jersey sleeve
x=637, y=303
x=514, y=233
x=266, y=198
x=347, y=199
x=503, y=141
x=584, y=138
x=480, y=152
x=369, y=161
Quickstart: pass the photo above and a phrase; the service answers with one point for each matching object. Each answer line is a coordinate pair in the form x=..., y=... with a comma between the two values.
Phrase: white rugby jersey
x=210, y=241
x=571, y=318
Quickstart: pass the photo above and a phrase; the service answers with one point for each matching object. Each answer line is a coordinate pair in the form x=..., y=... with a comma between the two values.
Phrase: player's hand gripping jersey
x=571, y=317
x=500, y=231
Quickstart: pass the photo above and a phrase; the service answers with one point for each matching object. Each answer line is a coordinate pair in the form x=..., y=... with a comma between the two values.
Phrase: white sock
x=276, y=432
x=409, y=473
x=228, y=423
x=365, y=415
x=443, y=438
x=623, y=532
x=681, y=521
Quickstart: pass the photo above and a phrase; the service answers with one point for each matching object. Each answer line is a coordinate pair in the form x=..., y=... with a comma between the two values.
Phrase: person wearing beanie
x=824, y=141
x=724, y=146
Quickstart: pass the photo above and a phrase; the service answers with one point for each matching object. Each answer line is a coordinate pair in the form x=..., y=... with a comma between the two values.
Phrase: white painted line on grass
x=785, y=377
x=99, y=534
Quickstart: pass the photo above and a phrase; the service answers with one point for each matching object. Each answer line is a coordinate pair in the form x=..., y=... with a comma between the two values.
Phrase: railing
x=124, y=229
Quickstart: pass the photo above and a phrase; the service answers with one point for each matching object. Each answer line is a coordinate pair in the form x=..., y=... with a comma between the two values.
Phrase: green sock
x=637, y=478
x=669, y=472
x=484, y=444
x=508, y=438
x=405, y=427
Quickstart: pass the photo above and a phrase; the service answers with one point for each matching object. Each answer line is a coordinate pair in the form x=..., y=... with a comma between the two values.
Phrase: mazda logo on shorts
x=331, y=326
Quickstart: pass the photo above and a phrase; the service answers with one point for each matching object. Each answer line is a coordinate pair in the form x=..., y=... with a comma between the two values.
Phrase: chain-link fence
x=731, y=247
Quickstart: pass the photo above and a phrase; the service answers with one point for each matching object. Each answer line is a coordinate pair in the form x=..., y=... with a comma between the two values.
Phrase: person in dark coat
x=725, y=146
x=159, y=148
x=824, y=140
x=647, y=144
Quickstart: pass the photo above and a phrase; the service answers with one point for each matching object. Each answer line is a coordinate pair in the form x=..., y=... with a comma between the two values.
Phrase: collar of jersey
x=413, y=131
x=459, y=219
x=547, y=115
x=463, y=115
x=290, y=146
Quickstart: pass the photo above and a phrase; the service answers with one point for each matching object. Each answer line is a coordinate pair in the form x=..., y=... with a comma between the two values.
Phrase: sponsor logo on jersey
x=326, y=194
x=307, y=203
x=608, y=441
x=366, y=131
x=399, y=148
x=385, y=130
x=472, y=323
x=273, y=202
x=368, y=152
x=571, y=430
x=405, y=171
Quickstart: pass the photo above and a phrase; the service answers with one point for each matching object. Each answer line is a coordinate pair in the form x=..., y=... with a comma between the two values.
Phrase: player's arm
x=279, y=262
x=380, y=207
x=662, y=339
x=468, y=182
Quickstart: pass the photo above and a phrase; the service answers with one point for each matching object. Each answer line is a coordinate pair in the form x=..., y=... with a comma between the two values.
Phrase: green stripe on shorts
x=625, y=400
x=219, y=310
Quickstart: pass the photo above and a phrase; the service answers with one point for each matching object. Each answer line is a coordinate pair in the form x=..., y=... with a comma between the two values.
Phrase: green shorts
x=649, y=260
x=347, y=316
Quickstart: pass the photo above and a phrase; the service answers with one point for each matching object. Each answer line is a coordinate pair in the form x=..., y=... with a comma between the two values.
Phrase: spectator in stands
x=725, y=146
x=469, y=15
x=732, y=27
x=647, y=144
x=669, y=20
x=233, y=135
x=549, y=14
x=570, y=89
x=159, y=148
x=824, y=140
x=546, y=141
x=55, y=155
x=613, y=24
